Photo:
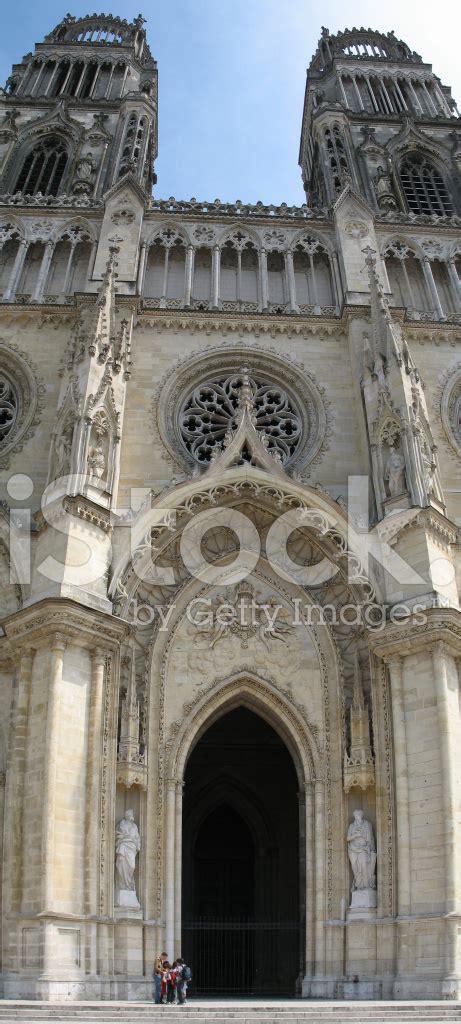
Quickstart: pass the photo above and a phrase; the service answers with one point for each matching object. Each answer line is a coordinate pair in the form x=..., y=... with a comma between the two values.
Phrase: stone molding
x=442, y=625
x=38, y=625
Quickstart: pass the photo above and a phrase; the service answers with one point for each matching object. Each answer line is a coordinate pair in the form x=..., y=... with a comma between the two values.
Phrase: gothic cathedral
x=230, y=442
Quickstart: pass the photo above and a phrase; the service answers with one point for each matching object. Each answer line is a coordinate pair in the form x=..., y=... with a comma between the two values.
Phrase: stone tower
x=230, y=444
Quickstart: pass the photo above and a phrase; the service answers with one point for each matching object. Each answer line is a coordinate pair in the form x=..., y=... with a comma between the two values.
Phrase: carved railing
x=237, y=209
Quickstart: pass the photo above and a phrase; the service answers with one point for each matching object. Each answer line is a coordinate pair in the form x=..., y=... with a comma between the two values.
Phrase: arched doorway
x=241, y=908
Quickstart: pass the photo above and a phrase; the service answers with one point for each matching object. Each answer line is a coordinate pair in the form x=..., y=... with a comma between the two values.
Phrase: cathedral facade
x=230, y=443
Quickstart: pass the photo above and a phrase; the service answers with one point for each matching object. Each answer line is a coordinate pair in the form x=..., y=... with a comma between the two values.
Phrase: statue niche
x=362, y=857
x=393, y=461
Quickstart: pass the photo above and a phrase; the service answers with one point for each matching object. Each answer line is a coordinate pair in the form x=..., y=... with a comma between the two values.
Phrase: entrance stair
x=230, y=1012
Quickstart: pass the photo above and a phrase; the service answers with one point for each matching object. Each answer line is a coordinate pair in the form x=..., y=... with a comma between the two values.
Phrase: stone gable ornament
x=127, y=846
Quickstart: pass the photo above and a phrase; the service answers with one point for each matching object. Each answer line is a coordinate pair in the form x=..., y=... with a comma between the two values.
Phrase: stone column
x=291, y=281
x=170, y=874
x=58, y=647
x=178, y=869
x=319, y=833
x=92, y=809
x=310, y=880
x=16, y=271
x=431, y=285
x=14, y=800
x=448, y=755
x=93, y=785
x=69, y=268
x=401, y=786
x=141, y=268
x=188, y=275
x=163, y=298
x=455, y=283
x=264, y=280
x=37, y=293
x=216, y=267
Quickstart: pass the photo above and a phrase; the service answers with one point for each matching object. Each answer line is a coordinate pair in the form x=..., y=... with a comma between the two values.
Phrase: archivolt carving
x=271, y=704
x=301, y=394
x=22, y=397
x=450, y=407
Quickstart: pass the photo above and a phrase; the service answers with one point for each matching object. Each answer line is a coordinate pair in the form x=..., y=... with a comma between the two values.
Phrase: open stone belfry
x=230, y=715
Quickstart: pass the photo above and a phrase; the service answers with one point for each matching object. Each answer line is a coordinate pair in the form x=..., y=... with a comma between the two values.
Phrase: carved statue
x=96, y=462
x=85, y=168
x=63, y=448
x=362, y=852
x=384, y=191
x=127, y=846
x=394, y=472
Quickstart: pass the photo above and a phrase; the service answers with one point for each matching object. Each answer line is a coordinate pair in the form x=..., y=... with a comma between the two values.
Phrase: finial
x=246, y=395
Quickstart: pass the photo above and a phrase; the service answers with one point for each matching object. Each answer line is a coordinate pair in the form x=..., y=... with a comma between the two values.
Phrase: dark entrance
x=241, y=861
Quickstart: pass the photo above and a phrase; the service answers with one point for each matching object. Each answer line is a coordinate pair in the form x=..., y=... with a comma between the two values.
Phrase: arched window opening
x=336, y=156
x=406, y=278
x=448, y=299
x=176, y=269
x=201, y=289
x=47, y=74
x=75, y=78
x=249, y=274
x=104, y=79
x=43, y=168
x=229, y=273
x=424, y=188
x=58, y=269
x=88, y=80
x=60, y=78
x=80, y=268
x=153, y=284
x=313, y=276
x=31, y=269
x=7, y=258
x=278, y=291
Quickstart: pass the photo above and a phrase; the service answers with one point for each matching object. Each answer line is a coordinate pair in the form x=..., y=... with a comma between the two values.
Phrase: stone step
x=229, y=1012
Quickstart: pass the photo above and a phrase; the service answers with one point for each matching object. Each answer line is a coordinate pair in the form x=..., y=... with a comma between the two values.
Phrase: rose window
x=8, y=408
x=209, y=411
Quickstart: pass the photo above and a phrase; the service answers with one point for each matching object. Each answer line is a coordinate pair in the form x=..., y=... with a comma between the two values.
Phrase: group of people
x=170, y=980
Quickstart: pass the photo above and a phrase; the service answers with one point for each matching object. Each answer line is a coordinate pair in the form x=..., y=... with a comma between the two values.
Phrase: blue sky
x=232, y=75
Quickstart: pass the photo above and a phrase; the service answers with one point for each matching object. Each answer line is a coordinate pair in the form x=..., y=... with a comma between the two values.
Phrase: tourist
x=158, y=972
x=183, y=976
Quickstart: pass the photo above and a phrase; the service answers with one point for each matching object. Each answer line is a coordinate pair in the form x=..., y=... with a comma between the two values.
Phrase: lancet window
x=134, y=143
x=43, y=168
x=337, y=157
x=424, y=188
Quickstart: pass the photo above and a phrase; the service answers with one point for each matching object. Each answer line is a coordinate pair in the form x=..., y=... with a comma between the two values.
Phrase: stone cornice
x=38, y=624
x=443, y=530
x=400, y=639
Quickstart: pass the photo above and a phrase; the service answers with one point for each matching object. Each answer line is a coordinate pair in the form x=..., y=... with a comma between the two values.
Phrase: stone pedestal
x=363, y=905
x=127, y=904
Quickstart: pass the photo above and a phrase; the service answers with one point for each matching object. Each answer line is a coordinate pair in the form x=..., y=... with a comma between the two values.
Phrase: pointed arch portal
x=241, y=859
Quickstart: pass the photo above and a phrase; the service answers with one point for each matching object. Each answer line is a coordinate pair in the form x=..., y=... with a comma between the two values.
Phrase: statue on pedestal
x=127, y=846
x=362, y=852
x=384, y=192
x=394, y=472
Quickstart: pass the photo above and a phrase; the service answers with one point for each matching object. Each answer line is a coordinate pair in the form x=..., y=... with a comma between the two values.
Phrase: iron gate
x=240, y=956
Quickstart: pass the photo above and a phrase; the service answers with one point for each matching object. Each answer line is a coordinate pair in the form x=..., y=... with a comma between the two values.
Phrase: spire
x=359, y=769
x=385, y=333
x=131, y=764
